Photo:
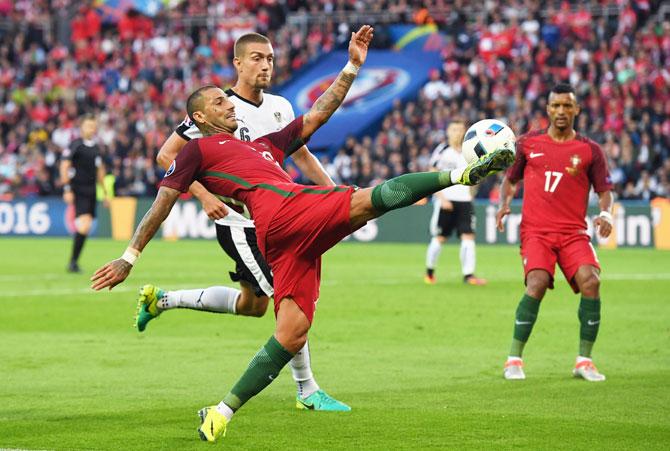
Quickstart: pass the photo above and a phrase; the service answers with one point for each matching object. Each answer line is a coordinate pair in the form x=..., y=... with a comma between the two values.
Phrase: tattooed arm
x=116, y=271
x=329, y=101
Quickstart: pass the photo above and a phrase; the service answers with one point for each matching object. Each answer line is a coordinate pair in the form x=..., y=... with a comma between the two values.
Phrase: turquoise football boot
x=320, y=400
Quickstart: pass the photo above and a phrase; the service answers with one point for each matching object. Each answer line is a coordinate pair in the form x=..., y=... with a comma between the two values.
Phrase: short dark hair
x=563, y=88
x=249, y=38
x=87, y=117
x=194, y=102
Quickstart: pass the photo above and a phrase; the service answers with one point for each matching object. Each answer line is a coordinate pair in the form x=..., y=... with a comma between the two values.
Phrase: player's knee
x=537, y=283
x=361, y=209
x=292, y=340
x=252, y=305
x=292, y=326
x=259, y=307
x=590, y=285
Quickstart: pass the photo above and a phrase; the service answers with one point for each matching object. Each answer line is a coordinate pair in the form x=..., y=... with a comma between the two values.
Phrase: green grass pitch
x=420, y=365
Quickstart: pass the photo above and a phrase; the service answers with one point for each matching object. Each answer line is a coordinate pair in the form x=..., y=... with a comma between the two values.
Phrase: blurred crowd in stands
x=61, y=58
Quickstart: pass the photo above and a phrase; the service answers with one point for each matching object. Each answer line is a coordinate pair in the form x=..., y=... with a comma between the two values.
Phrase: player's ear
x=237, y=63
x=199, y=117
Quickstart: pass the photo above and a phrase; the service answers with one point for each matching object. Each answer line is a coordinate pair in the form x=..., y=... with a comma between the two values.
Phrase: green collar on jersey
x=269, y=187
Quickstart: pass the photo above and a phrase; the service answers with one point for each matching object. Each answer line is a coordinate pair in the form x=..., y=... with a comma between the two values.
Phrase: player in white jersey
x=453, y=209
x=258, y=113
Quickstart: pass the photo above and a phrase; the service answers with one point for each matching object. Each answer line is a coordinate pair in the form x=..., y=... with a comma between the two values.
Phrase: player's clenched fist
x=110, y=275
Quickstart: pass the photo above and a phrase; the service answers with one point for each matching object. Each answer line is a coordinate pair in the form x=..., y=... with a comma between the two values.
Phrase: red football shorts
x=569, y=250
x=305, y=227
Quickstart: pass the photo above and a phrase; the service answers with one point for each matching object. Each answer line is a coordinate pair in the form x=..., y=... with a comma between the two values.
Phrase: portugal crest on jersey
x=574, y=170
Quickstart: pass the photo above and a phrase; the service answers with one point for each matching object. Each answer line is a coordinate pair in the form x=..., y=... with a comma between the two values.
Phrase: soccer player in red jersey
x=558, y=166
x=295, y=224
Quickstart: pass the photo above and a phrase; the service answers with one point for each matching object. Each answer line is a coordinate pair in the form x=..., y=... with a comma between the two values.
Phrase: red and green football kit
x=557, y=179
x=295, y=224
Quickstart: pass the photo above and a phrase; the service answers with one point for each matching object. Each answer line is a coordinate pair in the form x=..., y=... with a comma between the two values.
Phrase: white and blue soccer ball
x=486, y=136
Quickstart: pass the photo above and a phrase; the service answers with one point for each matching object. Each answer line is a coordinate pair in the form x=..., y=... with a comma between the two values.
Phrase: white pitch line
x=22, y=277
x=54, y=292
x=59, y=276
x=60, y=292
x=72, y=291
x=404, y=281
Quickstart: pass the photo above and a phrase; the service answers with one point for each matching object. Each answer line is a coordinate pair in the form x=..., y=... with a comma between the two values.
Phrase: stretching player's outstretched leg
x=301, y=225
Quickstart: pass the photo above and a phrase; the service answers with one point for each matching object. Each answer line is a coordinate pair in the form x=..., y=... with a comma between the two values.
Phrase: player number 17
x=550, y=186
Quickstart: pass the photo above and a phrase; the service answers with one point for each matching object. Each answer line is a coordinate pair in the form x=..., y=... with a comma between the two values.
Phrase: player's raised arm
x=329, y=101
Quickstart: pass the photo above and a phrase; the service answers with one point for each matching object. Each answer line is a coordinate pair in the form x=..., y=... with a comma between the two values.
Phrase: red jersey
x=249, y=172
x=557, y=180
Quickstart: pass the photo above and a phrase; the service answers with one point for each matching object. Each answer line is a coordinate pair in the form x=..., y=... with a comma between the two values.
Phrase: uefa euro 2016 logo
x=372, y=86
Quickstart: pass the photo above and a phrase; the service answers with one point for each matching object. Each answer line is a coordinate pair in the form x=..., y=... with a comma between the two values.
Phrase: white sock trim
x=224, y=410
x=456, y=175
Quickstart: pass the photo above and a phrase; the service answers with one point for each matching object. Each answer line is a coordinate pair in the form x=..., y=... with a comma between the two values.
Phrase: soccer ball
x=486, y=136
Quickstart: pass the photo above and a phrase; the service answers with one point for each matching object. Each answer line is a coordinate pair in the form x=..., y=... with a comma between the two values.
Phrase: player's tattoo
x=327, y=103
x=334, y=95
x=153, y=218
x=208, y=130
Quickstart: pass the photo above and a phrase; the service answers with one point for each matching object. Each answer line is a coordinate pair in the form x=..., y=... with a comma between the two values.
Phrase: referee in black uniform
x=81, y=166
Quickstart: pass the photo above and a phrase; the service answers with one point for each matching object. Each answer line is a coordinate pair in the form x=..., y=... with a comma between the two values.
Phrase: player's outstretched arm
x=507, y=190
x=213, y=206
x=116, y=271
x=329, y=101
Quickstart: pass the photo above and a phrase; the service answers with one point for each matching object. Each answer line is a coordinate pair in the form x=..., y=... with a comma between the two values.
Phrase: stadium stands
x=59, y=59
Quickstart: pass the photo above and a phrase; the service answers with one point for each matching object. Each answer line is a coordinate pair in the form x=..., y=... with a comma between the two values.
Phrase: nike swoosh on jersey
x=533, y=155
